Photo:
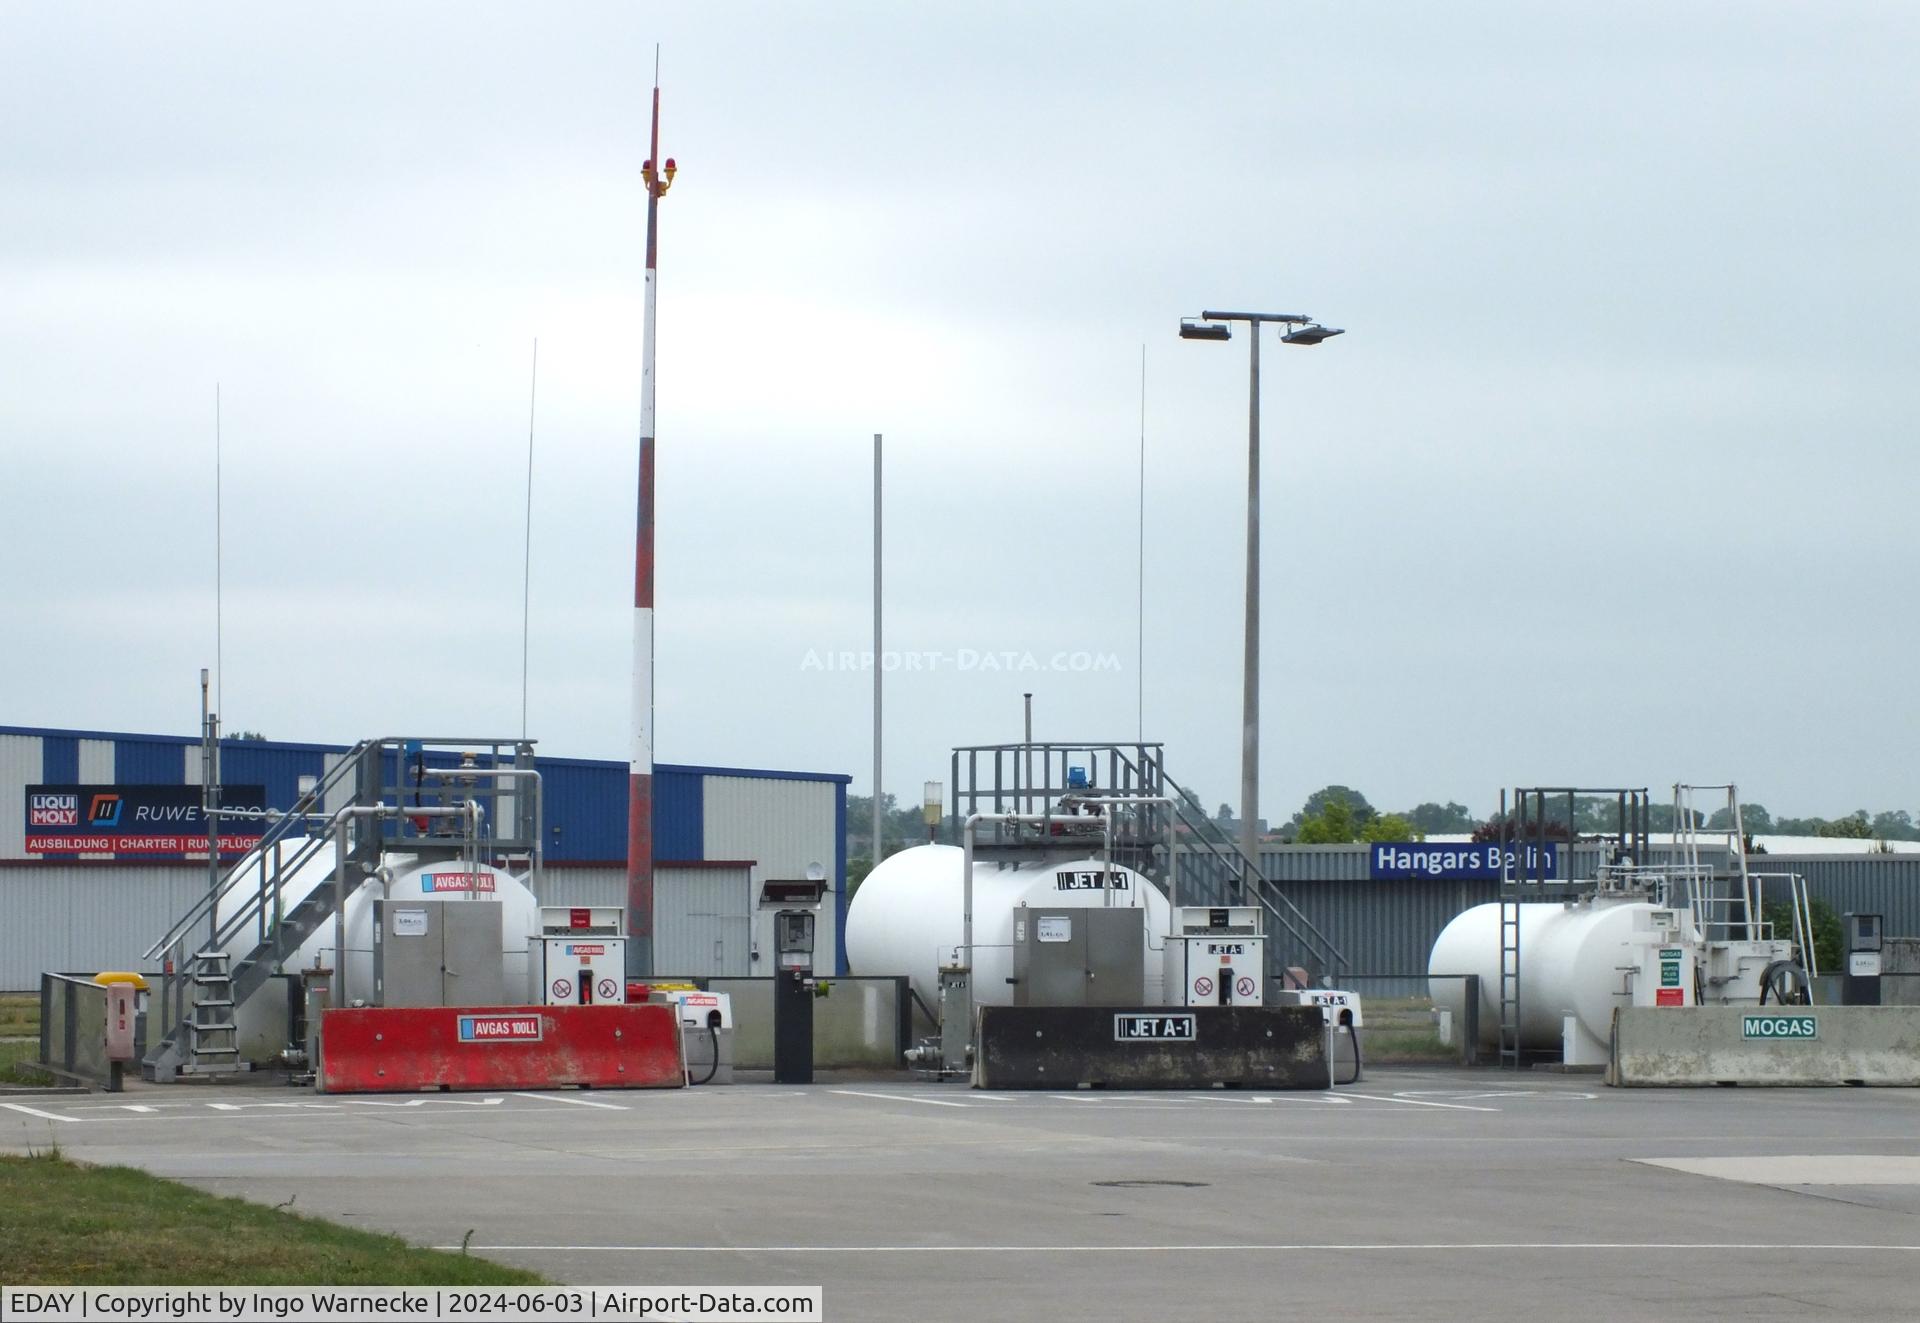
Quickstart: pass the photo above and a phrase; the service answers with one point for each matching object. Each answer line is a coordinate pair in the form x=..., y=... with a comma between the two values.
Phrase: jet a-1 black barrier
x=1151, y=1047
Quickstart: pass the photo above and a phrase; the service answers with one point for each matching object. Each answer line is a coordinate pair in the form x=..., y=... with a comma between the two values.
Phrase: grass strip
x=19, y=1015
x=13, y=1064
x=66, y=1224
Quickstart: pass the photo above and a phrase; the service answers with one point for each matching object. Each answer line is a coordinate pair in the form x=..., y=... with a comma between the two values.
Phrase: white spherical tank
x=1570, y=964
x=907, y=917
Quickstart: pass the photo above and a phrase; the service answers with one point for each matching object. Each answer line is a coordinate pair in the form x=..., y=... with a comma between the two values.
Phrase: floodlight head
x=1190, y=330
x=1311, y=335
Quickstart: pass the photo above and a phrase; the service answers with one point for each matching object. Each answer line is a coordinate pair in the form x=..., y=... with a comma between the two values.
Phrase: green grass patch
x=64, y=1224
x=19, y=1015
x=1401, y=1031
x=14, y=1067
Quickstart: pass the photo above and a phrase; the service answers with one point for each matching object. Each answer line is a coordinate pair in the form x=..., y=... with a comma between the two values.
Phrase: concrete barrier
x=1786, y=1045
x=386, y=1049
x=1151, y=1047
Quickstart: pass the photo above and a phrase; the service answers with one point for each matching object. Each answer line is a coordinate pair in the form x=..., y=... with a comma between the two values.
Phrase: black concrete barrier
x=1150, y=1047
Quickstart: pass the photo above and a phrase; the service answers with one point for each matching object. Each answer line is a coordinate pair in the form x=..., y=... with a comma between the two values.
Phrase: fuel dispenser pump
x=579, y=958
x=795, y=906
x=1861, y=984
x=1216, y=957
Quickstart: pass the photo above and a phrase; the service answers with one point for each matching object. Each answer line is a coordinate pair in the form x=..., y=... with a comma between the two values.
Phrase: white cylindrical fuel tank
x=907, y=917
x=401, y=876
x=1571, y=959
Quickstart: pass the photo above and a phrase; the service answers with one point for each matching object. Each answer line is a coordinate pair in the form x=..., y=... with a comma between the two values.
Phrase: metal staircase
x=1729, y=906
x=242, y=932
x=1175, y=845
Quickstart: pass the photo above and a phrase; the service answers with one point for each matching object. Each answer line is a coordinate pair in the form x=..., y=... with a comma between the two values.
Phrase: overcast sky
x=1611, y=481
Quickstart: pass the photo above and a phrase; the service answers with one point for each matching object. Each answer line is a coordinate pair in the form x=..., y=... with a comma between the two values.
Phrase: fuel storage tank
x=400, y=877
x=1573, y=961
x=906, y=917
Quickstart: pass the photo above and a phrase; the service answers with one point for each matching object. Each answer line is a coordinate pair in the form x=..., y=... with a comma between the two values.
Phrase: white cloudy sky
x=1611, y=481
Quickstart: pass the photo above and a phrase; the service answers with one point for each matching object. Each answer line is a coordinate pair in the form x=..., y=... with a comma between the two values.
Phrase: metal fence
x=73, y=1031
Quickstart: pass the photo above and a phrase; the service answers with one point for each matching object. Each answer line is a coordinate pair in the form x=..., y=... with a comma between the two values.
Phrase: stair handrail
x=300, y=813
x=1266, y=890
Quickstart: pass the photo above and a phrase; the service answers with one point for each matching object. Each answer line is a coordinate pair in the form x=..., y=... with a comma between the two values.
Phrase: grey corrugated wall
x=1389, y=926
x=68, y=917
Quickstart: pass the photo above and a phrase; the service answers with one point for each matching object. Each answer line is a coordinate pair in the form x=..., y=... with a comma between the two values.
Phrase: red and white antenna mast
x=640, y=772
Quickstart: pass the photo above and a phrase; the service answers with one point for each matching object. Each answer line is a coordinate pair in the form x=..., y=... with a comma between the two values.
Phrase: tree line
x=1340, y=815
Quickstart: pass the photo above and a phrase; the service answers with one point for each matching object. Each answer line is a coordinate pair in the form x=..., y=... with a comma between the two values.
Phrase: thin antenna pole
x=1140, y=604
x=219, y=596
x=526, y=554
x=879, y=817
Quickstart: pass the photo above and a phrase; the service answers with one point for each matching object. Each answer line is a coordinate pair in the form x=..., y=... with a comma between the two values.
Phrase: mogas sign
x=92, y=819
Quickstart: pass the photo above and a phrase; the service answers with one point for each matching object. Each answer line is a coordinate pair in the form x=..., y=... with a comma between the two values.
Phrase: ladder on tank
x=213, y=1034
x=1530, y=855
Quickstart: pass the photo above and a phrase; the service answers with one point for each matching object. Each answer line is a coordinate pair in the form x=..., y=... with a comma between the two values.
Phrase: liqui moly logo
x=499, y=1028
x=53, y=810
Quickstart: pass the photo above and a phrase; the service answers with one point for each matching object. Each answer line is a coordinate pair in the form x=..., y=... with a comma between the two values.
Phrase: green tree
x=1391, y=827
x=1335, y=824
x=1896, y=825
x=1358, y=810
x=1754, y=819
x=1855, y=827
x=1827, y=936
x=1429, y=819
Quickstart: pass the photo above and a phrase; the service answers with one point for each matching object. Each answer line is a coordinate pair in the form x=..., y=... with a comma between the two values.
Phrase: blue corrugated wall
x=60, y=760
x=586, y=800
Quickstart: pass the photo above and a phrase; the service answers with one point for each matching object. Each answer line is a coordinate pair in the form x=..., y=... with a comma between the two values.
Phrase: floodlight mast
x=1301, y=330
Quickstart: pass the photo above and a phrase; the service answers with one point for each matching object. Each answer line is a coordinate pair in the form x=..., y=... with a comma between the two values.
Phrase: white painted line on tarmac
x=1419, y=1102
x=35, y=1111
x=895, y=1097
x=1298, y=1248
x=436, y=1101
x=577, y=1102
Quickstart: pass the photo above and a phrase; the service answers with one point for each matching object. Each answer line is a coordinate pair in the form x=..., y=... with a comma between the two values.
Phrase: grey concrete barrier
x=1785, y=1045
x=1150, y=1047
x=861, y=1024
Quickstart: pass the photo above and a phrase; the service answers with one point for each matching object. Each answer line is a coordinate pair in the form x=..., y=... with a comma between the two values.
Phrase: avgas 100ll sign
x=1472, y=860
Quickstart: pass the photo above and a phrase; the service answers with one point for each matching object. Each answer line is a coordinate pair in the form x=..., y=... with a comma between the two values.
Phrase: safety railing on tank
x=254, y=886
x=172, y=950
x=1227, y=852
x=1035, y=779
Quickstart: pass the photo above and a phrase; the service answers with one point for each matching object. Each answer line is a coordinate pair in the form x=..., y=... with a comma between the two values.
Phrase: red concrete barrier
x=380, y=1049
